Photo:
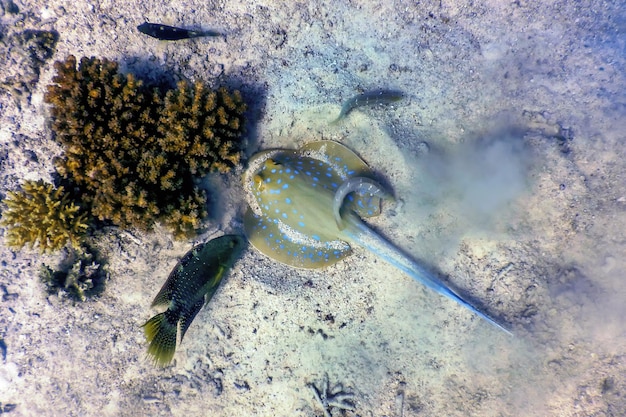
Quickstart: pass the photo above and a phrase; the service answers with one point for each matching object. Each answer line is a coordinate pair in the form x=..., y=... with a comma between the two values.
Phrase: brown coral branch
x=132, y=151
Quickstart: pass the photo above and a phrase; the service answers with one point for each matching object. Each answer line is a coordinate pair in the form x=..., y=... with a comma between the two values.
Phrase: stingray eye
x=271, y=164
x=258, y=181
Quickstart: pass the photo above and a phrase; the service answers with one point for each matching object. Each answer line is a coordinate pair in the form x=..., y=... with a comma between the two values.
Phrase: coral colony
x=43, y=216
x=131, y=151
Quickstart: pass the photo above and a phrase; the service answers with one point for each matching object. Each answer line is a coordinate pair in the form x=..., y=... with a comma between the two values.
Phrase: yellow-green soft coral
x=44, y=216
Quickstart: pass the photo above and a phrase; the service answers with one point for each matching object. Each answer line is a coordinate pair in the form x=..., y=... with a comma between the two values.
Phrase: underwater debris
x=44, y=216
x=131, y=152
x=7, y=408
x=190, y=285
x=9, y=7
x=332, y=397
x=3, y=350
x=368, y=98
x=83, y=278
x=26, y=51
x=172, y=33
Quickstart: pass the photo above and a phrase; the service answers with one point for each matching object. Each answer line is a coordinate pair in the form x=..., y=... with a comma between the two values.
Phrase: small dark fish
x=369, y=98
x=190, y=285
x=171, y=33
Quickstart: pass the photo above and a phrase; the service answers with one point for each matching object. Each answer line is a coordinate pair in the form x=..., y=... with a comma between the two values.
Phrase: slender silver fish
x=369, y=98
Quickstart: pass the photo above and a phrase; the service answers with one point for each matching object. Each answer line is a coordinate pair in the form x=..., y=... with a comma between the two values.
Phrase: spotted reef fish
x=368, y=98
x=293, y=206
x=172, y=33
x=190, y=285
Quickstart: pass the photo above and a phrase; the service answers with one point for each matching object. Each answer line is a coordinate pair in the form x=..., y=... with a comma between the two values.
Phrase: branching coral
x=132, y=151
x=202, y=127
x=42, y=215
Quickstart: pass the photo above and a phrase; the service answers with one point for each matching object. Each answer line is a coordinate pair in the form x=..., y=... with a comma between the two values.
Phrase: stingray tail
x=376, y=244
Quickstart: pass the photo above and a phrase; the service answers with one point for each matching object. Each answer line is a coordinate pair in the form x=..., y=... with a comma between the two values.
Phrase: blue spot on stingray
x=301, y=224
x=284, y=215
x=268, y=180
x=285, y=186
x=288, y=200
x=316, y=237
x=279, y=181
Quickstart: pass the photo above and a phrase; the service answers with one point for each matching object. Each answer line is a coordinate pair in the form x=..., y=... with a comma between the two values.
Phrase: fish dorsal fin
x=290, y=247
x=347, y=165
x=164, y=297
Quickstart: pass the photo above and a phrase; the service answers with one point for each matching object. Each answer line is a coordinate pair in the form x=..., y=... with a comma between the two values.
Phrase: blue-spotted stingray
x=296, y=196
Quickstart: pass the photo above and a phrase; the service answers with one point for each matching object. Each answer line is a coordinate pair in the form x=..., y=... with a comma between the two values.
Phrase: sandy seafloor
x=520, y=201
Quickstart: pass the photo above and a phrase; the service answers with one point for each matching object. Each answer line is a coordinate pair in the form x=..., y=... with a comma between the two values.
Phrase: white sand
x=488, y=87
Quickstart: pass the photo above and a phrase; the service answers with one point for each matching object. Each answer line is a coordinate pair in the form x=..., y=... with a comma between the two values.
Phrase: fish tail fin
x=162, y=336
